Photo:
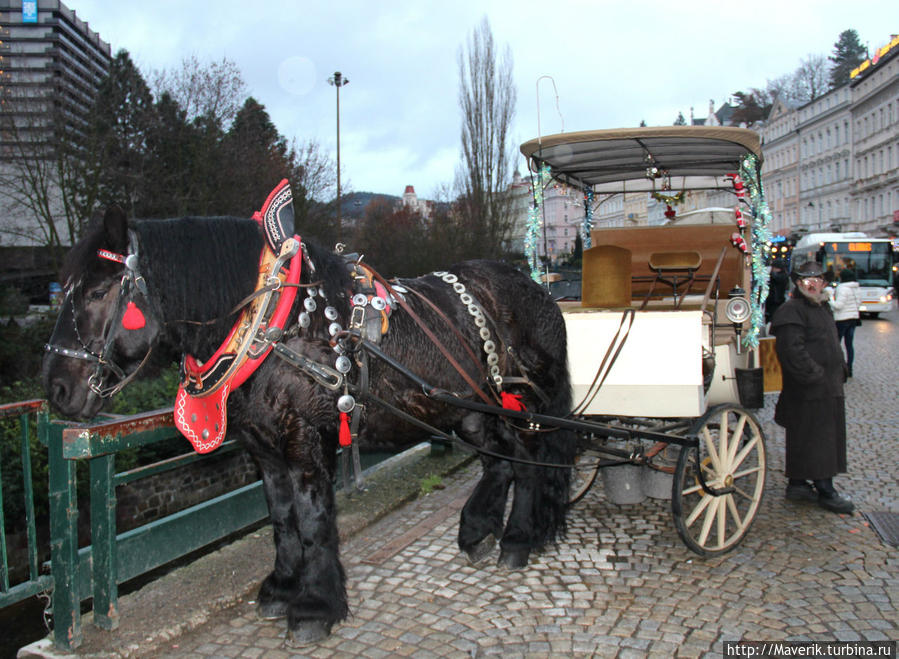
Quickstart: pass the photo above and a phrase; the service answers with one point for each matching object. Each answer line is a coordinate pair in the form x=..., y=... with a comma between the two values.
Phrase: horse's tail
x=559, y=446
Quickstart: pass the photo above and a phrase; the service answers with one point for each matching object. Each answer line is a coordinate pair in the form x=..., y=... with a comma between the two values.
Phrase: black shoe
x=835, y=502
x=801, y=492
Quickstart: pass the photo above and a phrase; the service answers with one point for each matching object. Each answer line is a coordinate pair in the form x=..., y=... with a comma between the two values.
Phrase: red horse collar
x=201, y=403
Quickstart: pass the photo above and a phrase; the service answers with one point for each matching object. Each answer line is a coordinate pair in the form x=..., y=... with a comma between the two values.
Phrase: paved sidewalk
x=622, y=584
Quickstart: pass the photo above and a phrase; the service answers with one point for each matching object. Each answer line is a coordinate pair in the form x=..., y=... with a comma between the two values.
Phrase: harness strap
x=452, y=326
x=442, y=348
x=628, y=315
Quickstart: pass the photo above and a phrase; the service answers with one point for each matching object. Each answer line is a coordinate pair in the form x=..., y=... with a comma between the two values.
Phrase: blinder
x=132, y=318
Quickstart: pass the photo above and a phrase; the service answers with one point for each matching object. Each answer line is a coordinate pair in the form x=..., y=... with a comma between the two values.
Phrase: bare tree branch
x=487, y=98
x=215, y=90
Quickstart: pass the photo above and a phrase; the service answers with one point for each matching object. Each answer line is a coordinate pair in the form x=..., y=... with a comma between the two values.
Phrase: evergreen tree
x=752, y=107
x=680, y=121
x=173, y=146
x=848, y=53
x=123, y=116
x=256, y=159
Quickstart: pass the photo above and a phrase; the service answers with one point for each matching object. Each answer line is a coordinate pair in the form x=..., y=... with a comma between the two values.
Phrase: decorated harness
x=200, y=411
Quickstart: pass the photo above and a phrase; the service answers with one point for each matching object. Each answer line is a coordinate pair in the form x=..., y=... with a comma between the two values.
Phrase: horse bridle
x=104, y=365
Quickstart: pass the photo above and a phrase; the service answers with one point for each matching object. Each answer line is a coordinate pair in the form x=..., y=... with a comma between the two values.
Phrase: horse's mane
x=198, y=269
x=83, y=254
x=330, y=271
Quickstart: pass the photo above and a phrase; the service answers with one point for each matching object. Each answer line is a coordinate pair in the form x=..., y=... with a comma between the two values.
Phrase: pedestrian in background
x=778, y=285
x=811, y=406
x=845, y=304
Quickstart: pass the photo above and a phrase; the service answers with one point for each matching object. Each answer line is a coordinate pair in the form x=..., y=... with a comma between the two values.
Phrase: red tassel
x=133, y=318
x=345, y=438
x=512, y=402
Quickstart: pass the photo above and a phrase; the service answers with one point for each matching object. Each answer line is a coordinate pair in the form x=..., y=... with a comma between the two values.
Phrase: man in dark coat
x=778, y=284
x=811, y=406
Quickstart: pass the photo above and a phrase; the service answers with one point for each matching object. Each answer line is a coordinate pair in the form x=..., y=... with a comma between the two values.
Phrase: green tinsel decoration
x=759, y=237
x=535, y=214
x=588, y=219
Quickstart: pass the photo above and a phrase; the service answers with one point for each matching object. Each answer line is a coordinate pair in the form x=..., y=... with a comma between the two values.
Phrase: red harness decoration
x=201, y=403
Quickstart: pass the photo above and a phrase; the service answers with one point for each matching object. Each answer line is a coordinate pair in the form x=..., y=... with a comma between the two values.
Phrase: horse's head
x=105, y=330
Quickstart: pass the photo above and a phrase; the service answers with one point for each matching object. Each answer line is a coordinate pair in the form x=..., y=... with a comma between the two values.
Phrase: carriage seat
x=675, y=269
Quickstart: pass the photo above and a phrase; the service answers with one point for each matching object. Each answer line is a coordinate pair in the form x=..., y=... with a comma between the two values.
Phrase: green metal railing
x=112, y=558
x=36, y=582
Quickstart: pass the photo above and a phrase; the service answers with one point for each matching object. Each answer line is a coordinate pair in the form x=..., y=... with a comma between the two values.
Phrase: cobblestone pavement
x=622, y=584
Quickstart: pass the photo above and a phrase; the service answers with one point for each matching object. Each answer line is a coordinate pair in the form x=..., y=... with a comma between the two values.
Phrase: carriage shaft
x=578, y=425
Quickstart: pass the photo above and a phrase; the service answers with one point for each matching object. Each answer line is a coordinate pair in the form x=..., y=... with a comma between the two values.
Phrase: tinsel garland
x=588, y=219
x=670, y=199
x=535, y=216
x=759, y=237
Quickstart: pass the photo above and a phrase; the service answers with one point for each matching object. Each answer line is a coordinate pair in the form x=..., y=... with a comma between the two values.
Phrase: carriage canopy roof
x=622, y=159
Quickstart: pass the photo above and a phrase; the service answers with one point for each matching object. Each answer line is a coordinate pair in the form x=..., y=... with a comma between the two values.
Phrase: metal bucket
x=623, y=484
x=751, y=387
x=657, y=483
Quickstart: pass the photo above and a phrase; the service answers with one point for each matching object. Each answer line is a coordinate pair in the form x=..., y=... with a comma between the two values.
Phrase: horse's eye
x=98, y=294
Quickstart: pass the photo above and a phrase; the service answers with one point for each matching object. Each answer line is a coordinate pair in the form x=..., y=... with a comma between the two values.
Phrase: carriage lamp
x=737, y=311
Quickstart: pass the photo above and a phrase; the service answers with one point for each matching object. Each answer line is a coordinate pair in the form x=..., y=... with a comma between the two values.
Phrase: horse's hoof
x=479, y=553
x=513, y=559
x=308, y=632
x=272, y=610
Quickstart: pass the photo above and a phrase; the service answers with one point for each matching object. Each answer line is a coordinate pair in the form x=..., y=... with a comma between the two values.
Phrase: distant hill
x=353, y=205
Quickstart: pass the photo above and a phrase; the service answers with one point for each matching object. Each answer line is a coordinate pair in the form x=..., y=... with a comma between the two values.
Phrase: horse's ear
x=115, y=225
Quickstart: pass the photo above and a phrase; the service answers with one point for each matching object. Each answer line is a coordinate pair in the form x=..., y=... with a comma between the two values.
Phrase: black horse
x=191, y=275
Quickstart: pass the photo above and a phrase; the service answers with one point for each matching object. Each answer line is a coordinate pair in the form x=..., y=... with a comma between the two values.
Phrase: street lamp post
x=338, y=80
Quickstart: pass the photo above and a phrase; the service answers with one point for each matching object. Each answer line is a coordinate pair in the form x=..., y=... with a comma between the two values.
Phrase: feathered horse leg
x=308, y=584
x=295, y=449
x=481, y=521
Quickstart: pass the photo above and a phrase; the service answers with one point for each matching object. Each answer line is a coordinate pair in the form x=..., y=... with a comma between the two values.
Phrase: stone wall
x=151, y=498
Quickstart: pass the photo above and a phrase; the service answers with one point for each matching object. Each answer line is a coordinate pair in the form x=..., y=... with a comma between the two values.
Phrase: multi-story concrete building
x=874, y=118
x=824, y=165
x=833, y=164
x=780, y=170
x=52, y=64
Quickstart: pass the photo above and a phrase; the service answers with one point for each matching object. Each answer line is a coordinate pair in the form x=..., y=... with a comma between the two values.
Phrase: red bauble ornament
x=133, y=318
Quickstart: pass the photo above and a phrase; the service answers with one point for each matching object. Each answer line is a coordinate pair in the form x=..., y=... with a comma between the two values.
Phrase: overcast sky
x=613, y=63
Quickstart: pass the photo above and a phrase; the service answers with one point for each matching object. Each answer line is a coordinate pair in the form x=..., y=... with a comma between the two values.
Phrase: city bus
x=870, y=258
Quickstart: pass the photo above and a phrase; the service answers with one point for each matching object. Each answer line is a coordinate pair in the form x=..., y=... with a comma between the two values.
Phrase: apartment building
x=833, y=164
x=52, y=64
x=874, y=118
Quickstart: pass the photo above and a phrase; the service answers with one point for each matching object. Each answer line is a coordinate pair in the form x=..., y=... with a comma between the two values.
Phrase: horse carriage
x=300, y=351
x=663, y=344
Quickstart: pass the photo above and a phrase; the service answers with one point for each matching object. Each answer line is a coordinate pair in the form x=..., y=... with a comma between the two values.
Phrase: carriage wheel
x=586, y=468
x=731, y=454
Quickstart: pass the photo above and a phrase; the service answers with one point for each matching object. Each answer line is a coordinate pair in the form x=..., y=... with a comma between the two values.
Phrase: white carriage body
x=658, y=372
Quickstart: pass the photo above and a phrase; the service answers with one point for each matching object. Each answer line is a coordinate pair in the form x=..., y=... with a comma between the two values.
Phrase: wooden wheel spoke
x=743, y=493
x=750, y=445
x=747, y=472
x=734, y=511
x=722, y=519
x=710, y=447
x=731, y=455
x=735, y=443
x=711, y=514
x=723, y=439
x=700, y=507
